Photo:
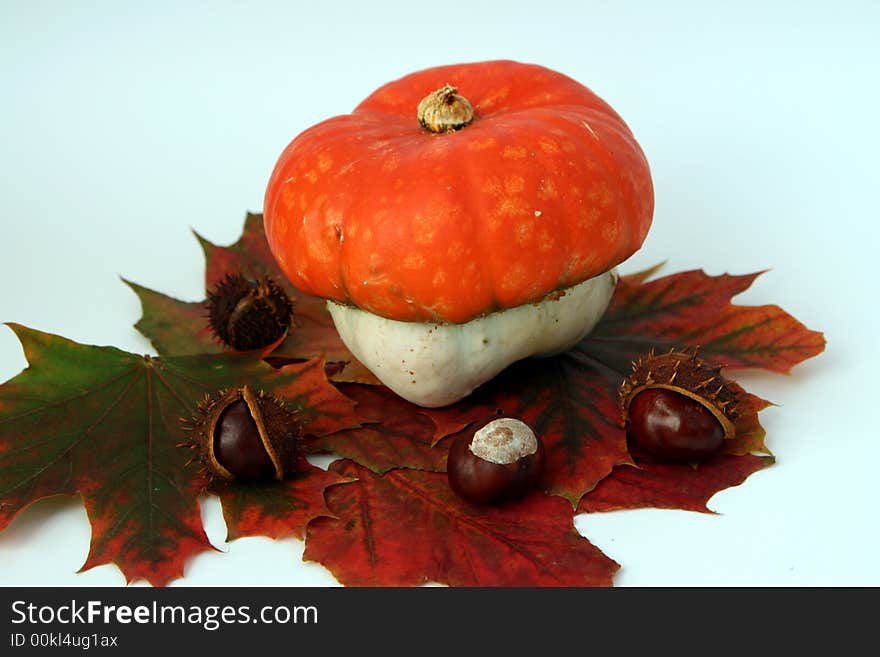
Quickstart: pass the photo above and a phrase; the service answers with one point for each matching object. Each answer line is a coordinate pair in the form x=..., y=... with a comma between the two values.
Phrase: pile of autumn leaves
x=105, y=424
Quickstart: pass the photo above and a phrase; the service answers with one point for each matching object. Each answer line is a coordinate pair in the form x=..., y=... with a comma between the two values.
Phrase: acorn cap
x=278, y=428
x=688, y=375
x=248, y=314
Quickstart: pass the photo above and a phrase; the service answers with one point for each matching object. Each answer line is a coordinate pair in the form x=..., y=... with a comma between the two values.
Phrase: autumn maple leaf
x=102, y=423
x=106, y=424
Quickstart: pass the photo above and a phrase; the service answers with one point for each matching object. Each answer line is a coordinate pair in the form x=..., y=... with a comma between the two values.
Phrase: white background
x=121, y=127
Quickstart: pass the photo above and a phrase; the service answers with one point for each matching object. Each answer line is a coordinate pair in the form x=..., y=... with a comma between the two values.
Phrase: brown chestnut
x=672, y=427
x=678, y=407
x=499, y=463
x=242, y=435
x=238, y=446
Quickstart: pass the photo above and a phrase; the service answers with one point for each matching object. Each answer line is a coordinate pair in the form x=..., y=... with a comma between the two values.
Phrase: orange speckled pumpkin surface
x=545, y=189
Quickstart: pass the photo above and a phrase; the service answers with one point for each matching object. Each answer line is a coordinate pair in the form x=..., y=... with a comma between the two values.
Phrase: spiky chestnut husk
x=248, y=314
x=673, y=418
x=239, y=434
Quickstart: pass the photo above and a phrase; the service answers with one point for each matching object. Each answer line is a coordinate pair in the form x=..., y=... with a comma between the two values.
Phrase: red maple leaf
x=407, y=528
x=393, y=434
x=670, y=485
x=693, y=309
x=275, y=509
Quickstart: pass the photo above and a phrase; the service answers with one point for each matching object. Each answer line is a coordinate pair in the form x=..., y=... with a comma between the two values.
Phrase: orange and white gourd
x=461, y=218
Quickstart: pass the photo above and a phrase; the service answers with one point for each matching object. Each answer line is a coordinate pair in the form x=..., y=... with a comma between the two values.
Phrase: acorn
x=242, y=435
x=677, y=407
x=248, y=314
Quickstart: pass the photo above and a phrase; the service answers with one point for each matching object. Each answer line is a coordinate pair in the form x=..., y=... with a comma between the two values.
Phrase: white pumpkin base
x=437, y=364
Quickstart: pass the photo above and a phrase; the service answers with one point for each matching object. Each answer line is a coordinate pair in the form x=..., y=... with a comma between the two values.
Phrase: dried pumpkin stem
x=444, y=110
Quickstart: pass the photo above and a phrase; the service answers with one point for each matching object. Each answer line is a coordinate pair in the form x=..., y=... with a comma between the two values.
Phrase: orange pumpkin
x=545, y=187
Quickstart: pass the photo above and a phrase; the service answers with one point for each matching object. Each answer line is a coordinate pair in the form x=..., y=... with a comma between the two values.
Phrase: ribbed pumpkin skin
x=546, y=188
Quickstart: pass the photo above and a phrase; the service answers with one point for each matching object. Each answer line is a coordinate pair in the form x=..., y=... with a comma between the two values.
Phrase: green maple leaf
x=106, y=424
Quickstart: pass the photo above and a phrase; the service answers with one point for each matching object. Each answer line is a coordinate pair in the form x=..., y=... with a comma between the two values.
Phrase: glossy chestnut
x=238, y=446
x=500, y=463
x=243, y=435
x=673, y=427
